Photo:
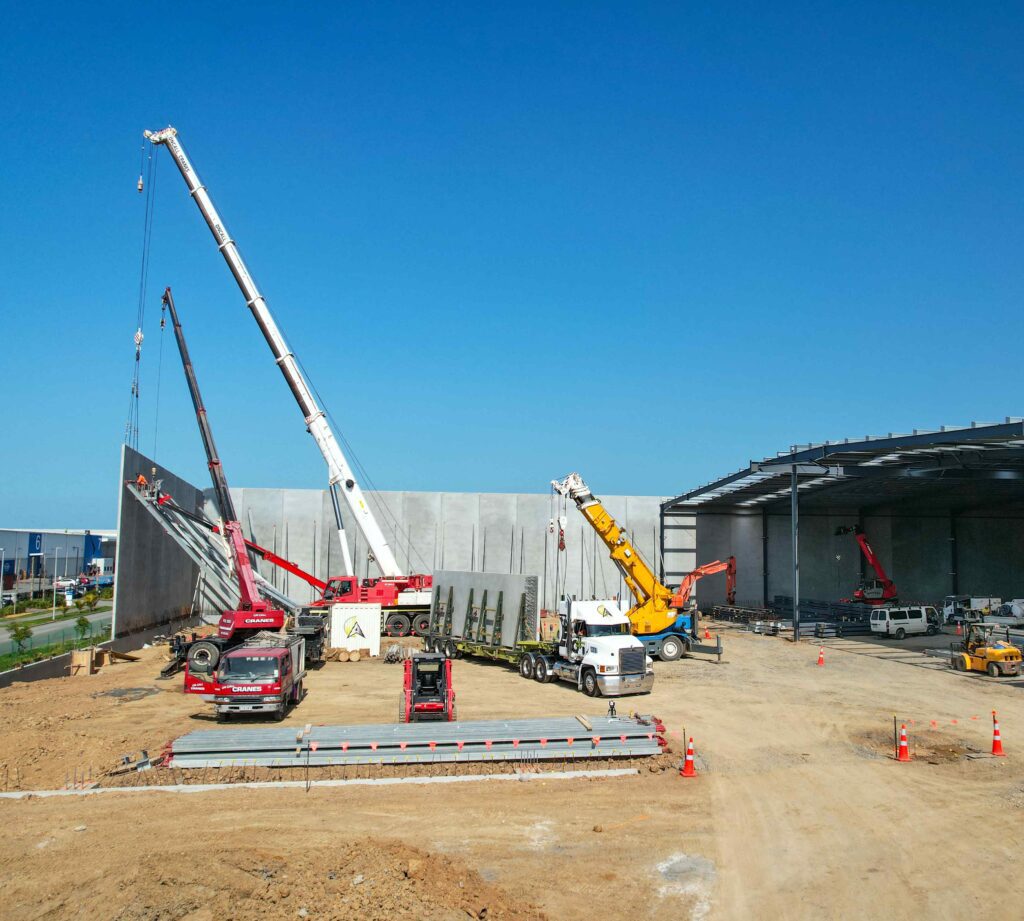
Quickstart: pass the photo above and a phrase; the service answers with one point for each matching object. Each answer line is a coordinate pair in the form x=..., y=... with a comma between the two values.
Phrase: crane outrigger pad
x=526, y=741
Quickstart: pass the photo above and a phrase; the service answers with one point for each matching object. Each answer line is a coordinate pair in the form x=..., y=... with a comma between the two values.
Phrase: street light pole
x=53, y=612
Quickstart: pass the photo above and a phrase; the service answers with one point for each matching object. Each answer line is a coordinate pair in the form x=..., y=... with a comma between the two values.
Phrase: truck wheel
x=421, y=624
x=397, y=625
x=900, y=633
x=993, y=670
x=671, y=649
x=281, y=712
x=203, y=657
x=932, y=630
x=527, y=666
x=590, y=687
x=450, y=650
x=540, y=670
x=221, y=717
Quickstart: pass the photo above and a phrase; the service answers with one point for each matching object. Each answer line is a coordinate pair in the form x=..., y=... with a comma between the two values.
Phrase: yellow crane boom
x=651, y=611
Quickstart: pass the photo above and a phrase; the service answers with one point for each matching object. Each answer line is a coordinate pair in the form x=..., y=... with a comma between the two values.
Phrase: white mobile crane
x=411, y=592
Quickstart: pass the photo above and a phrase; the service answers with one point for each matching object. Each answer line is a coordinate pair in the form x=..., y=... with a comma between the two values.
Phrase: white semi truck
x=494, y=616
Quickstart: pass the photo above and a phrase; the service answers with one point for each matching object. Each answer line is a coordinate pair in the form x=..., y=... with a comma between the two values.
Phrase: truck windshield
x=607, y=629
x=337, y=588
x=248, y=668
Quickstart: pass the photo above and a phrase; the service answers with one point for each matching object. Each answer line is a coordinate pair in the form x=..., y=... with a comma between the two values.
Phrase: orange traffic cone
x=688, y=768
x=821, y=655
x=997, y=739
x=904, y=750
x=959, y=631
x=707, y=633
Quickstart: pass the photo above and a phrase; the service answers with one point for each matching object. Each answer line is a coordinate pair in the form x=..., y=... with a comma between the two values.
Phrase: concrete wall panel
x=154, y=579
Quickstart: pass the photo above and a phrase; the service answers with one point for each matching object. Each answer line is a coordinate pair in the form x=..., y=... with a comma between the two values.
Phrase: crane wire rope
x=147, y=165
x=364, y=474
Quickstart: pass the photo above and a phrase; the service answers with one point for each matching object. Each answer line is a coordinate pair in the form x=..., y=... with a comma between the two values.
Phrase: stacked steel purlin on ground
x=553, y=739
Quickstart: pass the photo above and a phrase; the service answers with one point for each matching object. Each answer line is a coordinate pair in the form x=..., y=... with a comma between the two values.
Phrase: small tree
x=82, y=627
x=79, y=605
x=91, y=600
x=20, y=634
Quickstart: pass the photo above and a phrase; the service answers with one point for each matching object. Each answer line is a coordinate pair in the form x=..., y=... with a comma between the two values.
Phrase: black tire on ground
x=450, y=650
x=932, y=630
x=203, y=657
x=397, y=625
x=590, y=687
x=421, y=624
x=993, y=670
x=281, y=712
x=900, y=633
x=540, y=670
x=671, y=649
x=221, y=717
x=526, y=665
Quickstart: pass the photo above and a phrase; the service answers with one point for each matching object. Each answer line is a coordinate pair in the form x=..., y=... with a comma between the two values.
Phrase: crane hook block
x=140, y=182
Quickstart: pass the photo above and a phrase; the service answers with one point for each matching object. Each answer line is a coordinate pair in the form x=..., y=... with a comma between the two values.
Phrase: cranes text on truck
x=409, y=595
x=658, y=616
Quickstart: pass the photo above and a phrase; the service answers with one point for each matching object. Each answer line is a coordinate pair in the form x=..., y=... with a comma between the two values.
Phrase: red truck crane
x=254, y=615
x=878, y=591
x=407, y=596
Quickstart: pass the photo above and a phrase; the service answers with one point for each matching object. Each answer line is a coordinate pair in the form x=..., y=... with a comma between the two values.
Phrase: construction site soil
x=799, y=809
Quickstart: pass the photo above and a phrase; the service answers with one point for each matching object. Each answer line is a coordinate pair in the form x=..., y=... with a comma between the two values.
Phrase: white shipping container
x=356, y=626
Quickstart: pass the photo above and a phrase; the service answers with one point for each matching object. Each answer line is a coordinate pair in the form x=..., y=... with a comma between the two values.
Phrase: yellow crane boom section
x=651, y=612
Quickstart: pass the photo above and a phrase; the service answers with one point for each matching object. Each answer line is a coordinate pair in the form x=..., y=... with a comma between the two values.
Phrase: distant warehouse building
x=943, y=509
x=42, y=553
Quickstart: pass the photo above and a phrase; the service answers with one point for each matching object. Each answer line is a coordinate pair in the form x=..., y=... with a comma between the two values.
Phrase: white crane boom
x=339, y=472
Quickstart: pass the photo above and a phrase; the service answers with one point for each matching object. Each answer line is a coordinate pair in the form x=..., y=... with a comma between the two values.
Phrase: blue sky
x=647, y=242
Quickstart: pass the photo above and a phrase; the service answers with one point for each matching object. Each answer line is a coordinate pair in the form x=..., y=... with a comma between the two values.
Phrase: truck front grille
x=632, y=661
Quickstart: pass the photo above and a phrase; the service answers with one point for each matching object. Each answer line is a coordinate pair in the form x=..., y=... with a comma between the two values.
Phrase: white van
x=901, y=622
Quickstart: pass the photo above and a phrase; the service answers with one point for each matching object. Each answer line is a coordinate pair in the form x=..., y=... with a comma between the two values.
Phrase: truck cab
x=598, y=652
x=263, y=675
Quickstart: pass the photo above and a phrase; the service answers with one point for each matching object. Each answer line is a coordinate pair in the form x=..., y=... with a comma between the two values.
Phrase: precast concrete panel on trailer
x=470, y=600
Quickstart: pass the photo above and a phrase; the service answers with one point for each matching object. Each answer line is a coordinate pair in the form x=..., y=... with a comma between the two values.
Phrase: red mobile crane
x=253, y=614
x=881, y=590
x=682, y=595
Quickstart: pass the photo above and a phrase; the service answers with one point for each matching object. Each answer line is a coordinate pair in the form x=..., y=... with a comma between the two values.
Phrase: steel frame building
x=943, y=507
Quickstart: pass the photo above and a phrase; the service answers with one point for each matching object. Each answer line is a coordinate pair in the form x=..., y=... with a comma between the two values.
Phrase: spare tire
x=203, y=657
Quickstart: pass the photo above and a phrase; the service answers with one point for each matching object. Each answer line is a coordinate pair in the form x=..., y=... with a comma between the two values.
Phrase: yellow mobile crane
x=658, y=615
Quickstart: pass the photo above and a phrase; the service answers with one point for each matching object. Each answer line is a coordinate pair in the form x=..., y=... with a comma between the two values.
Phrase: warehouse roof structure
x=947, y=469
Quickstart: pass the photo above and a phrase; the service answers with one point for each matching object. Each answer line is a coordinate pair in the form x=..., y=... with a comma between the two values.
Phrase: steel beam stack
x=527, y=741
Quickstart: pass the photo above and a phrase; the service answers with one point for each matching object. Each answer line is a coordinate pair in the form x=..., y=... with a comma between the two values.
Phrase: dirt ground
x=799, y=810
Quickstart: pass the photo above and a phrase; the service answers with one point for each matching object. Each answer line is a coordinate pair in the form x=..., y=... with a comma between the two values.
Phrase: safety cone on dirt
x=959, y=630
x=821, y=655
x=688, y=769
x=997, y=739
x=904, y=750
x=707, y=633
